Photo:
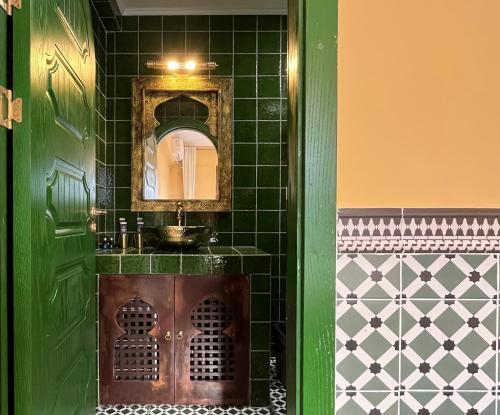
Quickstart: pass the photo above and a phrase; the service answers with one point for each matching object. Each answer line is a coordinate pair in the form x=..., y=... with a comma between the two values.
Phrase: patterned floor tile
x=367, y=345
x=433, y=403
x=450, y=276
x=366, y=403
x=447, y=345
x=278, y=405
x=368, y=276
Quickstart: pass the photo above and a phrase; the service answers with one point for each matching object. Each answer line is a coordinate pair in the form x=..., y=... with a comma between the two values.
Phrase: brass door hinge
x=10, y=110
x=7, y=5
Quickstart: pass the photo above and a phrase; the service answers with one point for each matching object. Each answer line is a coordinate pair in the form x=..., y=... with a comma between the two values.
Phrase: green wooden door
x=3, y=225
x=312, y=209
x=54, y=190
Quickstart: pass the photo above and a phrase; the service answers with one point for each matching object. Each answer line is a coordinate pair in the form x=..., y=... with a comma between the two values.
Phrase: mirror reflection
x=181, y=164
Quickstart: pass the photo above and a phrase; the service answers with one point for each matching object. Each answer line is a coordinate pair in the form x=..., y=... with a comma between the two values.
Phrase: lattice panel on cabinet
x=136, y=353
x=211, y=351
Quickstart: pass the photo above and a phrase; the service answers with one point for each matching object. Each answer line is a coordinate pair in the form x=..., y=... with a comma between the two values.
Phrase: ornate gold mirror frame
x=217, y=95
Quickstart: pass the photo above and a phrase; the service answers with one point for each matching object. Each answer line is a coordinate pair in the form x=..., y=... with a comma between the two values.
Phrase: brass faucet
x=180, y=213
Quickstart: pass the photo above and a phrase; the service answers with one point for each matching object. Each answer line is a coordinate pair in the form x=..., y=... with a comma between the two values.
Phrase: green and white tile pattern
x=417, y=334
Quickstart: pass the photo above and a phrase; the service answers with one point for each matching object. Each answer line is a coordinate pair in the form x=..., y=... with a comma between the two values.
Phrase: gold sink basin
x=183, y=236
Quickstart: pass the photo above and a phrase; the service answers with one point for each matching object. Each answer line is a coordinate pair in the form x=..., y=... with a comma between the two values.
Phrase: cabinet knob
x=180, y=335
x=168, y=336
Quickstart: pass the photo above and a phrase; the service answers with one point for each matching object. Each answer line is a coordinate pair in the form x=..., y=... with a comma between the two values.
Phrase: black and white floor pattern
x=278, y=405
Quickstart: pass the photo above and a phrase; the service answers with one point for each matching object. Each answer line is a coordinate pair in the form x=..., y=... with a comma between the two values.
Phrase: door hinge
x=10, y=110
x=7, y=5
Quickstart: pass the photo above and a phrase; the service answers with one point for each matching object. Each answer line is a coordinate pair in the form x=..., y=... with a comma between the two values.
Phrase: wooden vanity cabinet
x=168, y=339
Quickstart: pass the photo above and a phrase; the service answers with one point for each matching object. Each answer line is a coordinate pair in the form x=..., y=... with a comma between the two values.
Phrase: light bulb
x=172, y=65
x=191, y=65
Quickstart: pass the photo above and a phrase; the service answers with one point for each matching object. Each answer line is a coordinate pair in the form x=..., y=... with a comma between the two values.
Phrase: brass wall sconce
x=181, y=67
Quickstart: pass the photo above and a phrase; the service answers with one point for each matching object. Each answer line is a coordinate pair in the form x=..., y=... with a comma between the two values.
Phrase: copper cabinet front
x=136, y=356
x=174, y=339
x=212, y=317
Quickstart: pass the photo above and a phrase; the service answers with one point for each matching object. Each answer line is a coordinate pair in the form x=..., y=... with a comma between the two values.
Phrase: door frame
x=312, y=92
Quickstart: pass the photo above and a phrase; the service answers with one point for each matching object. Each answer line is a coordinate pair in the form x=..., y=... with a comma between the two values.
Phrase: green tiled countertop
x=250, y=261
x=206, y=260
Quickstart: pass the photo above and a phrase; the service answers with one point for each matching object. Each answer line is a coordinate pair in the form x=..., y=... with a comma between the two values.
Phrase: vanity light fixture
x=175, y=66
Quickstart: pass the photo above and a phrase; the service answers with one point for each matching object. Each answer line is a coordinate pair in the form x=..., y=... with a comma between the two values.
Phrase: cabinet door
x=212, y=340
x=136, y=332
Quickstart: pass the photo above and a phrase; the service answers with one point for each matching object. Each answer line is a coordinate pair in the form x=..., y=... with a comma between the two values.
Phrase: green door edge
x=3, y=229
x=312, y=66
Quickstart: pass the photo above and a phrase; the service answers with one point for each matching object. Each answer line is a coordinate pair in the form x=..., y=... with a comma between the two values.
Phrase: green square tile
x=245, y=87
x=269, y=87
x=269, y=131
x=197, y=23
x=244, y=239
x=260, y=333
x=269, y=242
x=269, y=154
x=130, y=23
x=225, y=63
x=110, y=153
x=107, y=264
x=150, y=23
x=268, y=176
x=122, y=155
x=221, y=23
x=245, y=22
x=244, y=221
x=245, y=42
x=123, y=179
x=244, y=176
x=271, y=22
x=174, y=42
x=126, y=64
x=165, y=264
x=135, y=264
x=284, y=42
x=123, y=86
x=123, y=131
x=221, y=42
x=244, y=131
x=122, y=198
x=245, y=154
x=197, y=42
x=256, y=264
x=244, y=199
x=174, y=23
x=269, y=42
x=268, y=221
x=224, y=238
x=223, y=250
x=245, y=109
x=224, y=222
x=259, y=365
x=126, y=42
x=150, y=42
x=123, y=109
x=226, y=264
x=245, y=64
x=260, y=283
x=269, y=64
x=196, y=264
x=269, y=109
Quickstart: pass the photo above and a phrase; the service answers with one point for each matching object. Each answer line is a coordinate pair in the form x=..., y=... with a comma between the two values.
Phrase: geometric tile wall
x=417, y=333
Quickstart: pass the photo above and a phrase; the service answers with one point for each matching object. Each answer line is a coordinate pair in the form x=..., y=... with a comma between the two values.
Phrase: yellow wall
x=419, y=103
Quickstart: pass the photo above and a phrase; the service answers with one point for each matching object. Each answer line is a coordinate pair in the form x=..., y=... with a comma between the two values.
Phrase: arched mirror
x=181, y=144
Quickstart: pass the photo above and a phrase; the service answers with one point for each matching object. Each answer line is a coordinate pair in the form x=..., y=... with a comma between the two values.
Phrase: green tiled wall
x=251, y=50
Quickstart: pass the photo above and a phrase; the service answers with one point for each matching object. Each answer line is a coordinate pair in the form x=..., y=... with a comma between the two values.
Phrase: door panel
x=3, y=225
x=136, y=310
x=212, y=317
x=54, y=249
